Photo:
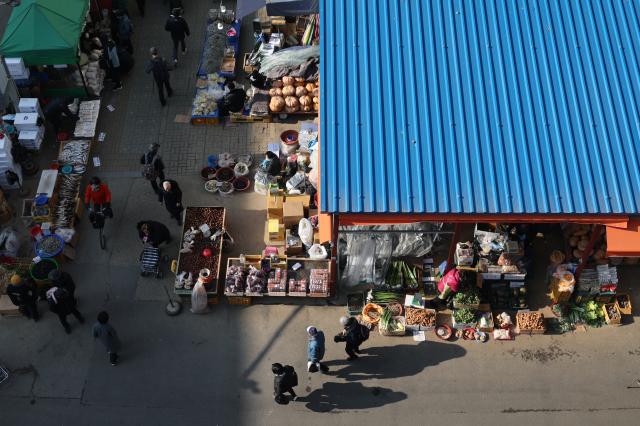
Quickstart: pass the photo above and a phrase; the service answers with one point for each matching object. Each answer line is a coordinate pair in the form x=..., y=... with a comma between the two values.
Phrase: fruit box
x=609, y=320
x=624, y=303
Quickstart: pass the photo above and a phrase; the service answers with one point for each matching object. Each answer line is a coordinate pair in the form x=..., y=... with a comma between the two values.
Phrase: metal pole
x=84, y=83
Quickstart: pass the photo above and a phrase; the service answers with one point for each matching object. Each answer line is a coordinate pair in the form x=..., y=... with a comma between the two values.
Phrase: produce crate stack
x=7, y=163
x=16, y=68
x=29, y=114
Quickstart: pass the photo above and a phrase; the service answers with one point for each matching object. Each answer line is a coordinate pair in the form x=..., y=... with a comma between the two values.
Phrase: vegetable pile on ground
x=389, y=323
x=530, y=320
x=464, y=316
x=422, y=317
x=400, y=275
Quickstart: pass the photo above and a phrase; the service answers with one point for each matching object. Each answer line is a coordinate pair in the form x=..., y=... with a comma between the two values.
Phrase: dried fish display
x=68, y=190
x=214, y=47
x=74, y=152
x=88, y=114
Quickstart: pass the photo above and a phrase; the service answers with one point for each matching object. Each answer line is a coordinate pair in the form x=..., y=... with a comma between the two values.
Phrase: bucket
x=289, y=141
x=36, y=232
x=212, y=161
x=40, y=271
x=225, y=174
x=205, y=275
x=208, y=173
x=241, y=183
x=51, y=240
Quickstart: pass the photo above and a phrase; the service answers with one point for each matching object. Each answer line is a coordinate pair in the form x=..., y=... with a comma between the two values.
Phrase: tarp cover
x=291, y=7
x=44, y=32
x=624, y=241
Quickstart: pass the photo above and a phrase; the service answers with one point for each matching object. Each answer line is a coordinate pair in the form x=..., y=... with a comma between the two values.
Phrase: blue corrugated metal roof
x=495, y=106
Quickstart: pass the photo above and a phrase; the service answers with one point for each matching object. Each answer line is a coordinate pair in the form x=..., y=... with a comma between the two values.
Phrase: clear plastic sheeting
x=290, y=58
x=369, y=250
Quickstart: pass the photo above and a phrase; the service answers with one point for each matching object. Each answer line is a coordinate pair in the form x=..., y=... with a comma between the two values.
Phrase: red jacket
x=101, y=196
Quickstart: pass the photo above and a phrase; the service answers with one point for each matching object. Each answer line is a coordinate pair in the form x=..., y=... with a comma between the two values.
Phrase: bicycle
x=97, y=219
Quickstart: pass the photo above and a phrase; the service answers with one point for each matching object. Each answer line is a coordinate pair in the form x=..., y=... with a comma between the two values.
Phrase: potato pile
x=579, y=237
x=423, y=317
x=293, y=94
x=530, y=320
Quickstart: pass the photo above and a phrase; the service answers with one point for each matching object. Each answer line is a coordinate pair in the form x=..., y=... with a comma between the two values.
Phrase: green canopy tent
x=45, y=32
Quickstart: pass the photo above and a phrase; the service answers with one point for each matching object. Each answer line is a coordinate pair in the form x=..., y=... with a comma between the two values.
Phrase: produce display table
x=194, y=261
x=233, y=42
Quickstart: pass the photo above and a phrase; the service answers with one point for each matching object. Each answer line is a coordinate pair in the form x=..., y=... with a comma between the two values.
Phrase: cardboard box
x=293, y=249
x=275, y=204
x=278, y=239
x=293, y=211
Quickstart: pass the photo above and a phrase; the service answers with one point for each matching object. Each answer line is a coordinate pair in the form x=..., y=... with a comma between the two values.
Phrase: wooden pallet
x=241, y=118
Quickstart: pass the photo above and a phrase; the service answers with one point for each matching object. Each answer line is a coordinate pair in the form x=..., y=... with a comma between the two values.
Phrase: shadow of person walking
x=350, y=396
x=390, y=362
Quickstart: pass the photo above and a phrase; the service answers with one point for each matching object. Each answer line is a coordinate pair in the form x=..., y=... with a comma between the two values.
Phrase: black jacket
x=65, y=281
x=158, y=233
x=65, y=303
x=178, y=27
x=173, y=197
x=234, y=100
x=150, y=157
x=284, y=382
x=22, y=294
x=158, y=67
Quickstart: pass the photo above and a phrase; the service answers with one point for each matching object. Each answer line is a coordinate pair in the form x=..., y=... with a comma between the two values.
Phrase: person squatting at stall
x=233, y=101
x=55, y=109
x=284, y=380
x=315, y=350
x=172, y=196
x=153, y=233
x=272, y=164
x=158, y=67
x=354, y=334
x=153, y=167
x=63, y=280
x=23, y=294
x=62, y=303
x=97, y=197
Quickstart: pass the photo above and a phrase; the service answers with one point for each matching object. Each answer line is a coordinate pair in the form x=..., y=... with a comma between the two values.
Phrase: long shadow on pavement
x=390, y=362
x=350, y=396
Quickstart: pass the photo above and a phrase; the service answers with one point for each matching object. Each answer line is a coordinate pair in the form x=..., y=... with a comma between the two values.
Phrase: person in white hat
x=315, y=350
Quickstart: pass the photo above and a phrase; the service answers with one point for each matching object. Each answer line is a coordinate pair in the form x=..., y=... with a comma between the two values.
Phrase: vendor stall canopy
x=45, y=32
x=480, y=107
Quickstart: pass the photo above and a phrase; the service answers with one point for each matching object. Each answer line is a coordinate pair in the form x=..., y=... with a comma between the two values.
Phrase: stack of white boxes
x=16, y=68
x=6, y=163
x=31, y=135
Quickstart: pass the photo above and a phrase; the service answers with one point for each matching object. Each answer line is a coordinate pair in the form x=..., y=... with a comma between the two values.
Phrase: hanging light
x=220, y=25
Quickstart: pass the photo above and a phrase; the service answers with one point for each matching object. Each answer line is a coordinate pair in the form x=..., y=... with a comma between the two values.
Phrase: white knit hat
x=311, y=330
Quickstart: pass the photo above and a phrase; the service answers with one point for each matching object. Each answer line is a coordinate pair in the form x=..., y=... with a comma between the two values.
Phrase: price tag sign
x=296, y=266
x=516, y=284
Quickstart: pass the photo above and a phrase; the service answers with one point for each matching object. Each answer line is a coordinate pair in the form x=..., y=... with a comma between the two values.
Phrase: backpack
x=149, y=171
x=292, y=375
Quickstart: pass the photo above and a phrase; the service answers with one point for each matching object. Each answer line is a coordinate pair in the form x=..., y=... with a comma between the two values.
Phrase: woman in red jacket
x=98, y=197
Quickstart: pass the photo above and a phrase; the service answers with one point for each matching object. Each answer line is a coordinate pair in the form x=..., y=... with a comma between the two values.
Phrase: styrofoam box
x=30, y=136
x=5, y=145
x=28, y=105
x=23, y=76
x=15, y=66
x=28, y=121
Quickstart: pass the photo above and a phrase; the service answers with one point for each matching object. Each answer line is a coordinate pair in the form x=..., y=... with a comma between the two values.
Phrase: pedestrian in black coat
x=153, y=167
x=62, y=304
x=172, y=197
x=284, y=380
x=158, y=67
x=179, y=29
x=152, y=232
x=63, y=280
x=23, y=294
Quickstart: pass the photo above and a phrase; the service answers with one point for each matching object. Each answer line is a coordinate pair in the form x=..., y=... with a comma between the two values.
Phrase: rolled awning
x=624, y=241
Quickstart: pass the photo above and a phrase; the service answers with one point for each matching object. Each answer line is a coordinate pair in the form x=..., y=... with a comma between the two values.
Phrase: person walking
x=315, y=350
x=108, y=336
x=158, y=67
x=153, y=167
x=175, y=4
x=172, y=197
x=177, y=26
x=124, y=29
x=97, y=196
x=284, y=380
x=23, y=294
x=62, y=304
x=354, y=334
x=63, y=280
x=153, y=233
x=114, y=65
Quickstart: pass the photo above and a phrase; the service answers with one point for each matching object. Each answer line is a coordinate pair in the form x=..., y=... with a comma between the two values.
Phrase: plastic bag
x=199, y=299
x=305, y=231
x=9, y=242
x=316, y=251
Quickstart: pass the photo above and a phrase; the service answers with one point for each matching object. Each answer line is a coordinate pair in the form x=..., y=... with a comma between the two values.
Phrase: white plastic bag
x=316, y=251
x=199, y=299
x=10, y=244
x=305, y=231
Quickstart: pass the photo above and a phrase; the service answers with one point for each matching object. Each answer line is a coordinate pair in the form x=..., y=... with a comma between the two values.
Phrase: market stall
x=200, y=255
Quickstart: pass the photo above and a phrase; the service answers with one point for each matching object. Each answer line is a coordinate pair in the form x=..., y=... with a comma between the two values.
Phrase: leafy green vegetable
x=464, y=316
x=469, y=296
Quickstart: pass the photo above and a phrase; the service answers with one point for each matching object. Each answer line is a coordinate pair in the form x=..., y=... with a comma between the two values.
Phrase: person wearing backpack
x=284, y=380
x=62, y=303
x=158, y=67
x=153, y=167
x=353, y=334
